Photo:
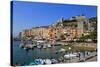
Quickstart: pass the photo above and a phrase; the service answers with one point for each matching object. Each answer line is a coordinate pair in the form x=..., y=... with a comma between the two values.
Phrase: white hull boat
x=70, y=56
x=44, y=46
x=48, y=45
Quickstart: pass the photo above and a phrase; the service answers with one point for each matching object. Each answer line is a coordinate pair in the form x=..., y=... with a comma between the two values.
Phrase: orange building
x=51, y=33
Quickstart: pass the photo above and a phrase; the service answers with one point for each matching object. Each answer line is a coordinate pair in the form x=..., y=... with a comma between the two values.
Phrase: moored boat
x=48, y=45
x=70, y=56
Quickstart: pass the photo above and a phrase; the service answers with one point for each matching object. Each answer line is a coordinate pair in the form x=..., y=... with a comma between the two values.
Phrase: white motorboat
x=38, y=45
x=70, y=56
x=54, y=61
x=62, y=50
x=48, y=61
x=48, y=45
x=40, y=41
x=44, y=46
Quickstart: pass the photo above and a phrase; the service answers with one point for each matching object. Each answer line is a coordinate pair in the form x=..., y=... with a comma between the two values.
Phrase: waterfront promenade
x=88, y=58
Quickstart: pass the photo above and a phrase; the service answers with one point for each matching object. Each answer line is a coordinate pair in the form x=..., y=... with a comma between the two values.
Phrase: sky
x=31, y=14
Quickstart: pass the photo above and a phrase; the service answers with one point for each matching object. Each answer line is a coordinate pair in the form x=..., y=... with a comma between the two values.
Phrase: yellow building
x=40, y=32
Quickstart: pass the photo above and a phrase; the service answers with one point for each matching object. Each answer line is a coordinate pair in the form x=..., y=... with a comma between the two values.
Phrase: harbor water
x=22, y=56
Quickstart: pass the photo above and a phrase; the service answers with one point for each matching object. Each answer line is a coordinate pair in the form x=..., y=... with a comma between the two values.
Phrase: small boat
x=38, y=46
x=39, y=61
x=54, y=61
x=70, y=56
x=33, y=63
x=48, y=45
x=44, y=46
x=62, y=50
x=30, y=46
x=40, y=43
x=27, y=44
x=22, y=45
x=48, y=61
